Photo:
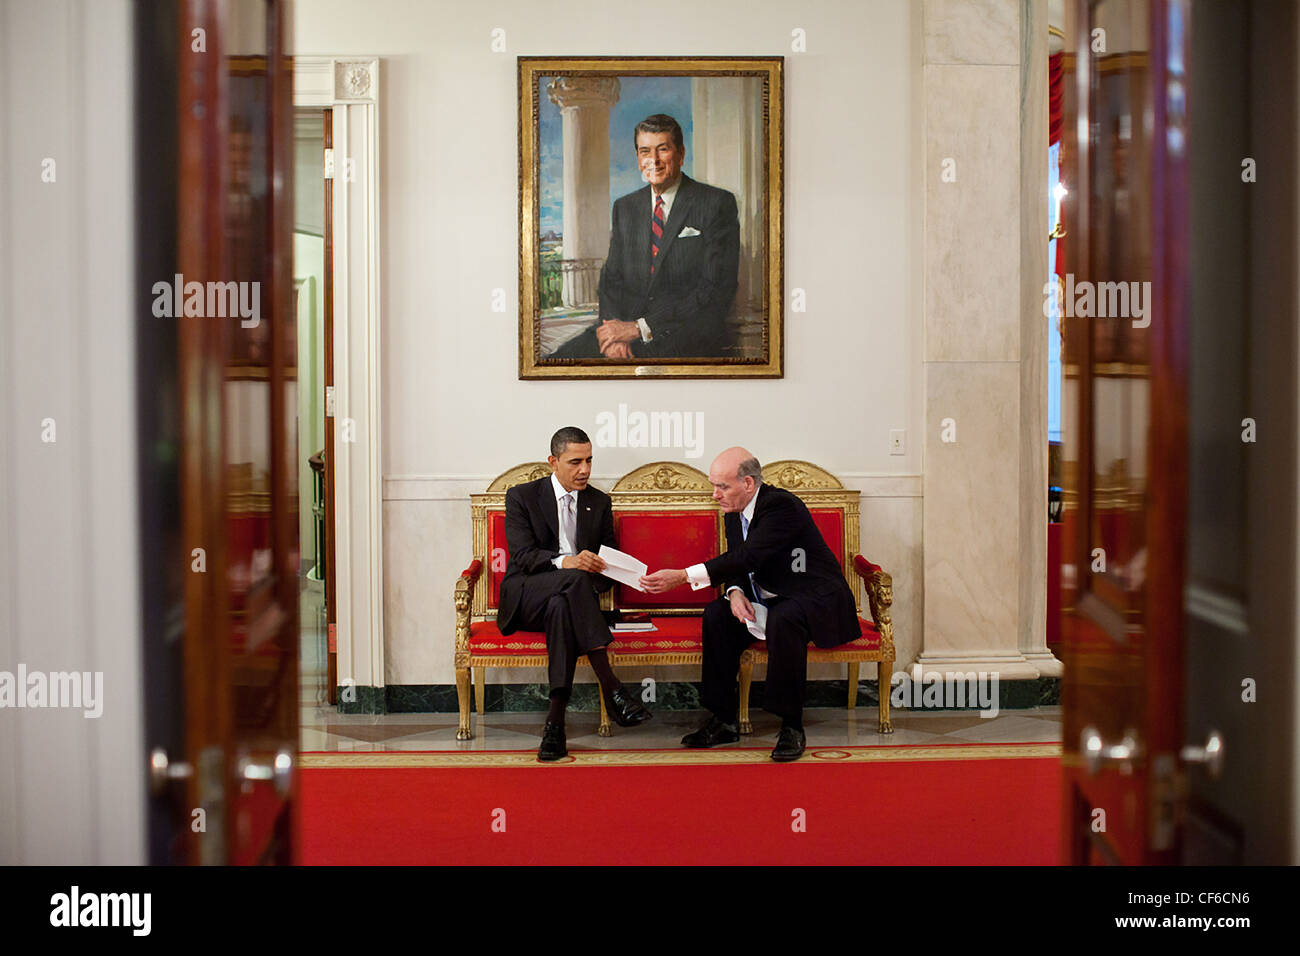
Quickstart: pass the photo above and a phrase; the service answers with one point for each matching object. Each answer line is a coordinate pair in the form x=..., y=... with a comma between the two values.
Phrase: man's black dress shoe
x=626, y=709
x=711, y=734
x=553, y=743
x=789, y=744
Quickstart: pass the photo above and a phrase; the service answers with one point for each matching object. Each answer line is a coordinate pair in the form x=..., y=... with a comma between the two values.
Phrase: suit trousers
x=726, y=638
x=564, y=604
x=583, y=345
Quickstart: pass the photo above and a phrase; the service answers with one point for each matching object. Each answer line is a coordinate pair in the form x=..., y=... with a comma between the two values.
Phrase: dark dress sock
x=559, y=703
x=599, y=659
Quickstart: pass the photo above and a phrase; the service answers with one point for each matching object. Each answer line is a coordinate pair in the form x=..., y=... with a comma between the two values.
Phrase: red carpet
x=960, y=811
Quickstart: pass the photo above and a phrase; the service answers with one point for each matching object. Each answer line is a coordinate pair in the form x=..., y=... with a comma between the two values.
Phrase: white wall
x=72, y=789
x=455, y=413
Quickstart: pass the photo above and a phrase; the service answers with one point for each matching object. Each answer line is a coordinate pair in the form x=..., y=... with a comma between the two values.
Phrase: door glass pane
x=250, y=565
x=1114, y=302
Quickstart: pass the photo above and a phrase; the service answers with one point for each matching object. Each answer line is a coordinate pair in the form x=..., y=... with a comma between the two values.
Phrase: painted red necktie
x=656, y=231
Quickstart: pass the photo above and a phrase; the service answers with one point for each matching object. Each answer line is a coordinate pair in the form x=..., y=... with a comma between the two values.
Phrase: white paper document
x=758, y=626
x=621, y=567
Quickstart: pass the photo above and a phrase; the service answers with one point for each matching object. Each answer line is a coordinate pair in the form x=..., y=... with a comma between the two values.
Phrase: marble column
x=584, y=104
x=985, y=471
x=1034, y=226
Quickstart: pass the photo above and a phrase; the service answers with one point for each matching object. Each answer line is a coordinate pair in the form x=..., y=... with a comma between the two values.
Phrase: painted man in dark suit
x=776, y=557
x=553, y=527
x=670, y=278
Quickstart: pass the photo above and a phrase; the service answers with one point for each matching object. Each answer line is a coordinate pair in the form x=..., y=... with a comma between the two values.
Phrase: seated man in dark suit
x=775, y=557
x=668, y=283
x=551, y=584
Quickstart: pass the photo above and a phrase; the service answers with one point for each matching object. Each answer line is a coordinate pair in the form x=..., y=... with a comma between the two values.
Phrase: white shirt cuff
x=645, y=330
x=558, y=561
x=698, y=577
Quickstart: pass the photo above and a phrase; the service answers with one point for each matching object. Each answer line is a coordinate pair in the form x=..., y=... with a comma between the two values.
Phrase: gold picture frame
x=584, y=262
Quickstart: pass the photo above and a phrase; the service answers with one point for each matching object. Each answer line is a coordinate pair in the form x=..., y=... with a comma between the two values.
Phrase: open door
x=1179, y=583
x=1126, y=456
x=225, y=789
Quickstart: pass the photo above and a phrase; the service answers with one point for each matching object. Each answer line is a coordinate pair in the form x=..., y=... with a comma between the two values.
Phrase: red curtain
x=1056, y=117
x=1055, y=96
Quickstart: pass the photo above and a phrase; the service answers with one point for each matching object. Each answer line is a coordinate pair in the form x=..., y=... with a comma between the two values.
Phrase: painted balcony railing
x=569, y=283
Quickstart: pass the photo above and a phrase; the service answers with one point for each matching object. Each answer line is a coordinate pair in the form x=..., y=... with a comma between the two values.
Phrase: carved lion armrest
x=464, y=601
x=880, y=595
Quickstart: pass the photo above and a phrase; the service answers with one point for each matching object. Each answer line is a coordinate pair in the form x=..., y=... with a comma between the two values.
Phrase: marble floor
x=313, y=656
x=324, y=729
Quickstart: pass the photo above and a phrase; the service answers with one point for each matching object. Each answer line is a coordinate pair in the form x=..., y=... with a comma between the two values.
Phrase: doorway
x=313, y=300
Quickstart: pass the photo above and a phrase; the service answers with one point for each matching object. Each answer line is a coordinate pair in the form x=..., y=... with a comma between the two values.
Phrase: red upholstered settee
x=665, y=515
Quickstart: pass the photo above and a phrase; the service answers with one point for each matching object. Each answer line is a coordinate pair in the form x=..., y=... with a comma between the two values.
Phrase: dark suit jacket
x=781, y=524
x=533, y=538
x=689, y=297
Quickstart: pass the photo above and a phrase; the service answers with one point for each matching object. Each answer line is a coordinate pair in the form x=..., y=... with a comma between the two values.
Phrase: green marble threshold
x=668, y=695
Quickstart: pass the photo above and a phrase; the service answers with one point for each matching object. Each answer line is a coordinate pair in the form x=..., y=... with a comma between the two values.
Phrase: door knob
x=162, y=771
x=1097, y=753
x=1211, y=755
x=279, y=770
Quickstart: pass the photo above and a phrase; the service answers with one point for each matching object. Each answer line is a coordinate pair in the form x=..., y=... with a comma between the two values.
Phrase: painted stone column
x=584, y=104
x=726, y=150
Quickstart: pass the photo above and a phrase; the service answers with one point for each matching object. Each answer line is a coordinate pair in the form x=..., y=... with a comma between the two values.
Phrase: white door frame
x=349, y=86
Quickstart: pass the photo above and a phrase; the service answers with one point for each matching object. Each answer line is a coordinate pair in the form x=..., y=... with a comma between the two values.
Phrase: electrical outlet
x=896, y=440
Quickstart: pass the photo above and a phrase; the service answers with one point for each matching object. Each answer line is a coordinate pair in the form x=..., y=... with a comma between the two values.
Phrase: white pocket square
x=687, y=232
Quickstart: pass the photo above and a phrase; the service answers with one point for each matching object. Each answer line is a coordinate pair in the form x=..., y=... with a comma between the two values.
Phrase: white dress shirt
x=698, y=575
x=566, y=547
x=669, y=195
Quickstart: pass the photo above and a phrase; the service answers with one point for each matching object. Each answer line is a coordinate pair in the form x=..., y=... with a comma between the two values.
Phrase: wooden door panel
x=1241, y=579
x=239, y=454
x=1126, y=354
x=1196, y=515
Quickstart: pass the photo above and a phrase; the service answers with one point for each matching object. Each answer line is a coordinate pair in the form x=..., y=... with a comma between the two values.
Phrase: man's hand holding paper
x=583, y=561
x=621, y=567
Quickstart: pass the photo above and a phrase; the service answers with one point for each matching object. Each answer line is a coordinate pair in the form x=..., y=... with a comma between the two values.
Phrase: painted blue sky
x=640, y=96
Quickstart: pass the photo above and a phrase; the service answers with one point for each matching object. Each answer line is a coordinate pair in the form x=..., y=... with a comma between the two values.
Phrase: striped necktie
x=656, y=231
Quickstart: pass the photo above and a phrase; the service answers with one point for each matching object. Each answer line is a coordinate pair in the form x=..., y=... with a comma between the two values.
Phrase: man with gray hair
x=776, y=558
x=554, y=526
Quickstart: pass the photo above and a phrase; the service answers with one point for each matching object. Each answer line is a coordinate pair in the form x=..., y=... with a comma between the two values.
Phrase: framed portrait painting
x=650, y=217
